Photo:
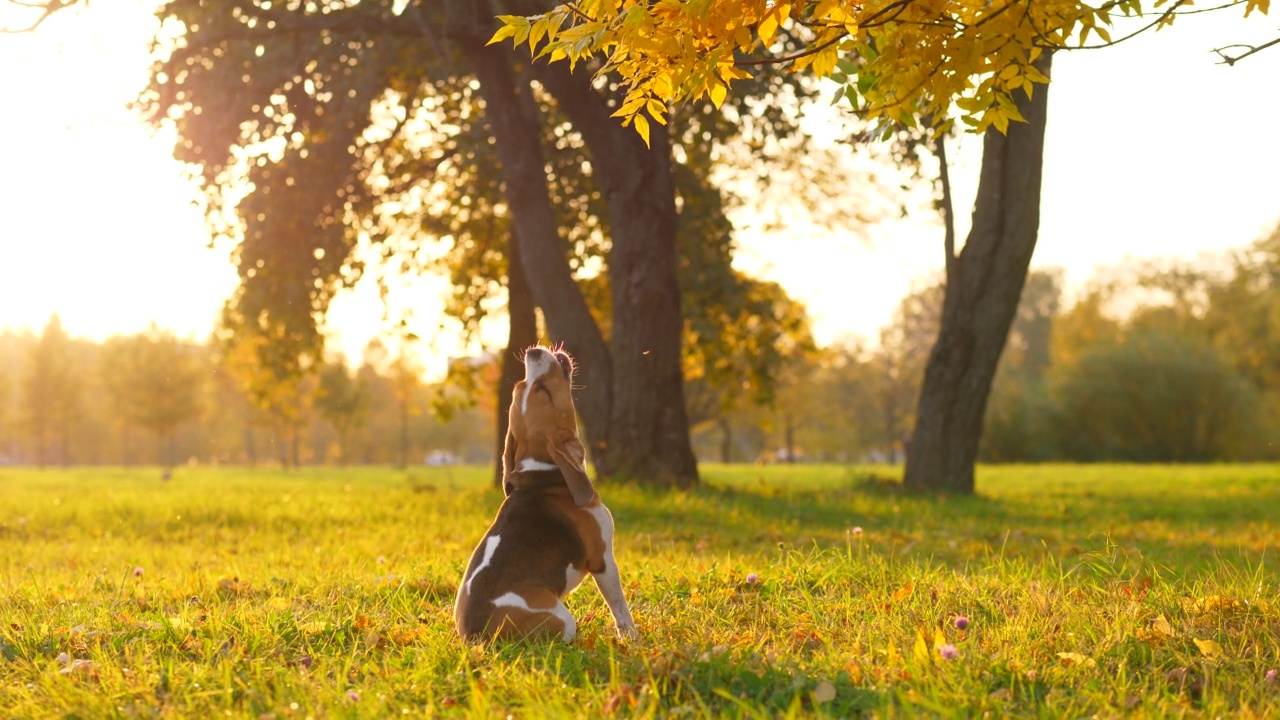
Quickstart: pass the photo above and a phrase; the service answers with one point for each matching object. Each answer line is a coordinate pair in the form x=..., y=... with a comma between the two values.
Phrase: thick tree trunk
x=632, y=402
x=983, y=285
x=516, y=134
x=522, y=333
x=649, y=427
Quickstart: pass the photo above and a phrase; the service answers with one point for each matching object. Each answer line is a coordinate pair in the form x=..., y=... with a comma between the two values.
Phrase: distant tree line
x=1154, y=361
x=1151, y=362
x=155, y=399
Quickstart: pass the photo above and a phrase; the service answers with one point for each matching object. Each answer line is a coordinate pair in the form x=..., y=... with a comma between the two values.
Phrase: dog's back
x=531, y=556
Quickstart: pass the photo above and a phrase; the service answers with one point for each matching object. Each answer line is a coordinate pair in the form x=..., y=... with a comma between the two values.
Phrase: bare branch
x=1233, y=59
x=46, y=8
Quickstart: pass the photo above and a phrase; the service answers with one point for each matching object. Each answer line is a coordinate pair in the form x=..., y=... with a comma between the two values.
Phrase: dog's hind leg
x=517, y=618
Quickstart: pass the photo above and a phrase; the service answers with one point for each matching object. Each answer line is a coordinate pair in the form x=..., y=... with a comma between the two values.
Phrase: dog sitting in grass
x=551, y=530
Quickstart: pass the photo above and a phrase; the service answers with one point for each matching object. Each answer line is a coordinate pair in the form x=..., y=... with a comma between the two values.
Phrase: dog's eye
x=542, y=388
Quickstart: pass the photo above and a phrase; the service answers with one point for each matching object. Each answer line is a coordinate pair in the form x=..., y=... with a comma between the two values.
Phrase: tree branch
x=948, y=213
x=1233, y=59
x=46, y=8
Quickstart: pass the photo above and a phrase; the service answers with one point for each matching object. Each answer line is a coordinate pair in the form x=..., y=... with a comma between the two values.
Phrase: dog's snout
x=537, y=361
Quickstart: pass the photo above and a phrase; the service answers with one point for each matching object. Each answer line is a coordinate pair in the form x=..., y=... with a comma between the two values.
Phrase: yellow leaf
x=656, y=108
x=921, y=649
x=767, y=29
x=1071, y=658
x=503, y=33
x=939, y=639
x=279, y=604
x=662, y=86
x=630, y=107
x=718, y=93
x=536, y=33
x=1161, y=626
x=642, y=127
x=824, y=9
x=1210, y=649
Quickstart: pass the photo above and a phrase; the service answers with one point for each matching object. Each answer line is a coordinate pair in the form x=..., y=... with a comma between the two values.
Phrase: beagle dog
x=552, y=528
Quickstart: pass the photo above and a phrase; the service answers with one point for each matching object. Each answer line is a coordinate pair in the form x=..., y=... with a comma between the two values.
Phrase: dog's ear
x=569, y=456
x=509, y=446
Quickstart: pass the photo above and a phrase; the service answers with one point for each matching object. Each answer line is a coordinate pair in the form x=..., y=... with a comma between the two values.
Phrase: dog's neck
x=534, y=480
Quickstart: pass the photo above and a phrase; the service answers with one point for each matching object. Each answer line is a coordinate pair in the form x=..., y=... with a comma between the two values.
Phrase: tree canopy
x=894, y=60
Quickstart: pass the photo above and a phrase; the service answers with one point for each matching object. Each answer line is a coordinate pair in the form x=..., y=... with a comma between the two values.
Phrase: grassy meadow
x=1060, y=591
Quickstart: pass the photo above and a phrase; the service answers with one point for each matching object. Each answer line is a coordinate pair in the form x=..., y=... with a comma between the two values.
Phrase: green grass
x=1089, y=590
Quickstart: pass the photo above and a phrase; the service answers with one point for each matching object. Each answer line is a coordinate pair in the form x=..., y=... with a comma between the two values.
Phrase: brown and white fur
x=551, y=530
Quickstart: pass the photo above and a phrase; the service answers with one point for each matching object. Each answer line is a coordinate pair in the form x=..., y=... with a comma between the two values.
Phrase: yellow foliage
x=913, y=58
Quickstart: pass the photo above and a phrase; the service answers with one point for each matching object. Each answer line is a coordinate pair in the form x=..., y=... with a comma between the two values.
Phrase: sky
x=1153, y=149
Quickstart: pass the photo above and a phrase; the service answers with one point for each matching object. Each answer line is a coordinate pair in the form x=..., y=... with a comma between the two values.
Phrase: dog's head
x=544, y=425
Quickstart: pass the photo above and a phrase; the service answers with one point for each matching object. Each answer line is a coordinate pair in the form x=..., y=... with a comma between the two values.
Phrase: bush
x=1153, y=396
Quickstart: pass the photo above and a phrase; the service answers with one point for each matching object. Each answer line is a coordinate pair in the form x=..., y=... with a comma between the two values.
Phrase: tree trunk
x=788, y=438
x=649, y=425
x=983, y=286
x=516, y=132
x=404, y=431
x=632, y=404
x=726, y=440
x=522, y=333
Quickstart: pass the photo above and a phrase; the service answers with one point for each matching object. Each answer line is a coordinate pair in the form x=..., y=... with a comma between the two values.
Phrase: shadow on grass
x=1167, y=516
x=711, y=682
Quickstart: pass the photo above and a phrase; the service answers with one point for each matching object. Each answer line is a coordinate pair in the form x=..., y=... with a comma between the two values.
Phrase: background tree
x=413, y=120
x=51, y=391
x=898, y=365
x=153, y=381
x=1020, y=413
x=1154, y=397
x=8, y=398
x=343, y=401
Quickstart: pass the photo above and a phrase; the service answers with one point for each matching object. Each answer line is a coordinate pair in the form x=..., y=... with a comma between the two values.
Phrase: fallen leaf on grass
x=1210, y=649
x=1161, y=626
x=825, y=692
x=1071, y=658
x=77, y=667
x=233, y=586
x=1217, y=603
x=921, y=649
x=1159, y=631
x=714, y=652
x=903, y=592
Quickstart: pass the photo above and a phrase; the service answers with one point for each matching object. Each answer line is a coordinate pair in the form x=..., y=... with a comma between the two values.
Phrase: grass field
x=784, y=591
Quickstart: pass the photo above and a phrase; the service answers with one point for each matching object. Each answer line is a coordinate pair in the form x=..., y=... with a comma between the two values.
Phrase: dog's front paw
x=628, y=632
